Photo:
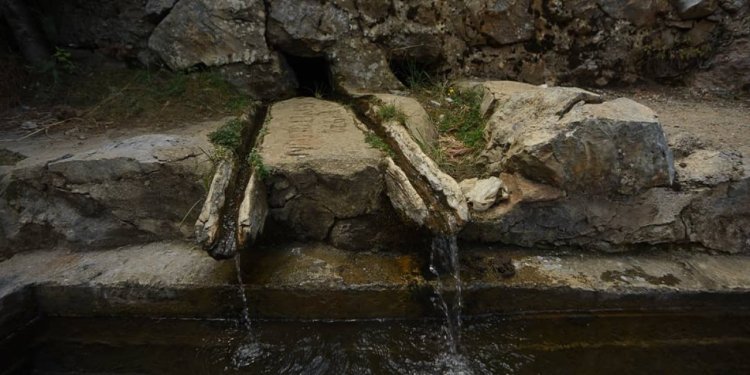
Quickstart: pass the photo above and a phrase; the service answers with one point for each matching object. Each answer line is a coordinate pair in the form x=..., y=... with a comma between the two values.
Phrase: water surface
x=541, y=344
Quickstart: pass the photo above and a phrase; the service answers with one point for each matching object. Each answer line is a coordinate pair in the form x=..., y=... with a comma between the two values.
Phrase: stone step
x=316, y=281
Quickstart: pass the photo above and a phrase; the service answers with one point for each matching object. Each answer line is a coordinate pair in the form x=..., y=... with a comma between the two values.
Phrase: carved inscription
x=309, y=118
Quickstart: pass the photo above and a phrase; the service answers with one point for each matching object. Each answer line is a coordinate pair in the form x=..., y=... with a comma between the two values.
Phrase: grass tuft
x=389, y=112
x=458, y=117
x=376, y=142
x=463, y=118
x=228, y=136
x=255, y=160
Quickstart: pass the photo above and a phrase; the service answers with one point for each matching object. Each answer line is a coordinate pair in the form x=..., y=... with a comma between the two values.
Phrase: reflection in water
x=585, y=344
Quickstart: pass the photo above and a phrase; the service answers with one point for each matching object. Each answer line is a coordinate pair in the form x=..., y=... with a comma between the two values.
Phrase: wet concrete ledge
x=177, y=280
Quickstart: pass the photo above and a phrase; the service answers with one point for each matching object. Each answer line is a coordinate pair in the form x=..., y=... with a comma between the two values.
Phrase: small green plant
x=460, y=123
x=464, y=118
x=64, y=60
x=389, y=112
x=376, y=142
x=228, y=136
x=60, y=61
x=255, y=160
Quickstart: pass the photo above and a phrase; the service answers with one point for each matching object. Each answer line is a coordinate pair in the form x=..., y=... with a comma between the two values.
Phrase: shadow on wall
x=413, y=73
x=313, y=75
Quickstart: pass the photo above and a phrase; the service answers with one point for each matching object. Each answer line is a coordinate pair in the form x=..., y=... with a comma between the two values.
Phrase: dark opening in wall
x=412, y=72
x=313, y=75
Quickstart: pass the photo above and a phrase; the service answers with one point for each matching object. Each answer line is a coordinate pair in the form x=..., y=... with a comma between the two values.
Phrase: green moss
x=255, y=160
x=389, y=112
x=463, y=118
x=228, y=136
x=376, y=142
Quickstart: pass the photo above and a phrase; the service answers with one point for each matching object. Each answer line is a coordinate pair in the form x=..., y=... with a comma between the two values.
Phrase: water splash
x=444, y=262
x=249, y=349
x=243, y=296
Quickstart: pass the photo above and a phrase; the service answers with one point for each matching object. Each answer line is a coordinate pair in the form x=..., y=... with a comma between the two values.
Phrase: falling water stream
x=243, y=296
x=249, y=349
x=444, y=264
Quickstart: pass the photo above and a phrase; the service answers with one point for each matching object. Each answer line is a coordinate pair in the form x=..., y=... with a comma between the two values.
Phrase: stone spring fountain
x=615, y=240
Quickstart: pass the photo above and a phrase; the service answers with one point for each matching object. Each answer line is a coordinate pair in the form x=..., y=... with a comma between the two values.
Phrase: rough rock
x=692, y=9
x=566, y=138
x=572, y=41
x=271, y=80
x=729, y=70
x=307, y=27
x=209, y=221
x=108, y=194
x=212, y=33
x=540, y=216
x=159, y=7
x=251, y=217
x=481, y=194
x=404, y=198
x=710, y=168
x=637, y=12
x=448, y=209
x=118, y=29
x=417, y=120
x=720, y=219
x=507, y=21
x=684, y=144
x=322, y=170
x=315, y=29
x=446, y=204
x=589, y=222
x=382, y=230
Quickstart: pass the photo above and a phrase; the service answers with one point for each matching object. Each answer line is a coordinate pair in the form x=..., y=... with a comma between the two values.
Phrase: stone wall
x=703, y=42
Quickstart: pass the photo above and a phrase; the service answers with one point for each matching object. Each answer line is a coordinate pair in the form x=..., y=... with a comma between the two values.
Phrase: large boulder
x=326, y=182
x=311, y=28
x=540, y=216
x=212, y=33
x=119, y=29
x=570, y=139
x=108, y=194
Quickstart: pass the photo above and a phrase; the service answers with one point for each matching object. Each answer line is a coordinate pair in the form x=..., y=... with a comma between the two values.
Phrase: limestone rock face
x=312, y=28
x=720, y=219
x=710, y=168
x=213, y=33
x=508, y=21
x=729, y=70
x=417, y=120
x=690, y=9
x=403, y=195
x=639, y=12
x=159, y=7
x=572, y=41
x=483, y=194
x=270, y=80
x=119, y=192
x=251, y=216
x=449, y=210
x=326, y=182
x=711, y=210
x=567, y=138
x=209, y=221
